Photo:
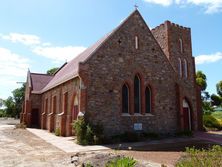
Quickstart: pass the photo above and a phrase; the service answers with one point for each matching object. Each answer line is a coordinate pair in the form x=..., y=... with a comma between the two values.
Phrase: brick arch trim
x=153, y=93
x=191, y=110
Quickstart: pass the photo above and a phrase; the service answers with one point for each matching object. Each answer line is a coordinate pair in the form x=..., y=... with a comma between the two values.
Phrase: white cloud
x=13, y=68
x=160, y=2
x=59, y=54
x=26, y=39
x=202, y=59
x=211, y=6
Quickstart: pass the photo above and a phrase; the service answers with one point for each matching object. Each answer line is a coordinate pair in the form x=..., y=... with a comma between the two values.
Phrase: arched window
x=125, y=99
x=148, y=96
x=181, y=45
x=137, y=98
x=180, y=67
x=185, y=68
x=65, y=102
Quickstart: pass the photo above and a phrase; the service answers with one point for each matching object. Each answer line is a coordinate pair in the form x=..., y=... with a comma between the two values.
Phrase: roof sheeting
x=39, y=81
x=70, y=70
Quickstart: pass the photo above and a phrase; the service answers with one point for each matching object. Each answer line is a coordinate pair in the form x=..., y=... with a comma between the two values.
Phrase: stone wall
x=116, y=63
x=168, y=36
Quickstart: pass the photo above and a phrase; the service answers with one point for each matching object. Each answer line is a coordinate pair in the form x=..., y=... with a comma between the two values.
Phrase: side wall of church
x=58, y=114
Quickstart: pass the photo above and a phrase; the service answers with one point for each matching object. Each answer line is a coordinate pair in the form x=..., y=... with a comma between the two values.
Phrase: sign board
x=138, y=126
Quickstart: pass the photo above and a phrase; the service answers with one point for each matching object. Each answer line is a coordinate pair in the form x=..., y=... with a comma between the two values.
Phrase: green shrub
x=88, y=164
x=88, y=134
x=122, y=162
x=58, y=132
x=21, y=125
x=188, y=133
x=202, y=158
x=3, y=113
x=210, y=122
x=151, y=135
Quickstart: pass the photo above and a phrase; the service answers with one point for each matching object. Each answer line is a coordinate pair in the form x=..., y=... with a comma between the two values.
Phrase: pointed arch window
x=125, y=99
x=137, y=96
x=185, y=68
x=180, y=67
x=181, y=45
x=65, y=102
x=148, y=96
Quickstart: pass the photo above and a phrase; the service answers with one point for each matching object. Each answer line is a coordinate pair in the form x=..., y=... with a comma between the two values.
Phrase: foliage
x=132, y=137
x=205, y=96
x=13, y=103
x=87, y=133
x=18, y=97
x=188, y=133
x=217, y=114
x=10, y=107
x=216, y=100
x=201, y=80
x=200, y=158
x=151, y=135
x=1, y=103
x=58, y=132
x=211, y=122
x=52, y=70
x=88, y=164
x=21, y=125
x=2, y=113
x=219, y=88
x=207, y=106
x=122, y=162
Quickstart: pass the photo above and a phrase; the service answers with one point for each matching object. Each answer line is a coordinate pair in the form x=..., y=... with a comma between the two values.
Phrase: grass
x=217, y=115
x=201, y=158
x=213, y=120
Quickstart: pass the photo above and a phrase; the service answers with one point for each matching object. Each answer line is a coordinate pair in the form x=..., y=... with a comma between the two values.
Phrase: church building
x=133, y=79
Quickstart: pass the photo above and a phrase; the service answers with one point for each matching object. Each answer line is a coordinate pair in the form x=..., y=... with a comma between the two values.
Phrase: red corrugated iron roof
x=39, y=81
x=70, y=70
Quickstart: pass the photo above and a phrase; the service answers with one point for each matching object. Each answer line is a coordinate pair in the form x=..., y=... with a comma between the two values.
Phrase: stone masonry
x=161, y=58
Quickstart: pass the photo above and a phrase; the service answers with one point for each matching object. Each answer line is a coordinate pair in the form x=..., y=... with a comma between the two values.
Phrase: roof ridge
x=40, y=74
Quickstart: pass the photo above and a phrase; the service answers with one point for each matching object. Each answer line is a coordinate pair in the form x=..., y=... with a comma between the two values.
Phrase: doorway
x=35, y=118
x=186, y=115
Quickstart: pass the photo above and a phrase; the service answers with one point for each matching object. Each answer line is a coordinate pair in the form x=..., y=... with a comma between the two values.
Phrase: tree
x=18, y=97
x=10, y=106
x=216, y=100
x=1, y=103
x=201, y=80
x=52, y=70
x=219, y=88
x=13, y=103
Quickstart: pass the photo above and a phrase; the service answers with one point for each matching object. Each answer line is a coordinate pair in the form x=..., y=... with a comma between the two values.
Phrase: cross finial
x=136, y=6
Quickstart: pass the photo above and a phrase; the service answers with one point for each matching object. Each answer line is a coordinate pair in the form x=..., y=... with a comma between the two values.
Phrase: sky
x=41, y=34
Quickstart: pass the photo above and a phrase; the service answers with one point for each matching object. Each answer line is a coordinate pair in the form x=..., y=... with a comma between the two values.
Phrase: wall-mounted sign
x=138, y=126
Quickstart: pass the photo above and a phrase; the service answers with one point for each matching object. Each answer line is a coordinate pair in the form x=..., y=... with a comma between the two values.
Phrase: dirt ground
x=20, y=147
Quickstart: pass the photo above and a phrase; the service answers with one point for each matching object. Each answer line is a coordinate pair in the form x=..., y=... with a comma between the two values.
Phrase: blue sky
x=40, y=34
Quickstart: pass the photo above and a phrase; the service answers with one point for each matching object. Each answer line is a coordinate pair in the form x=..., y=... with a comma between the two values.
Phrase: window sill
x=60, y=114
x=50, y=114
x=137, y=115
